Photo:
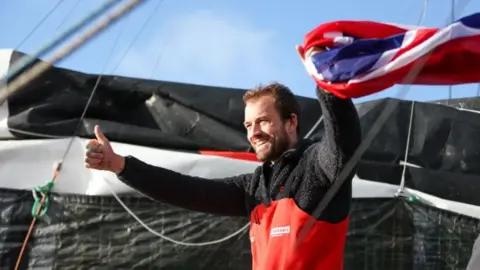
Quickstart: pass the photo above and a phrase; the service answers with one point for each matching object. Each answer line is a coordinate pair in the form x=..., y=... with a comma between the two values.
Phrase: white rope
x=148, y=228
x=310, y=132
x=407, y=147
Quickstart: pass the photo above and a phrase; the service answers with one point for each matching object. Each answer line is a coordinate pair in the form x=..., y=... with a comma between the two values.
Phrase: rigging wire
x=39, y=23
x=137, y=35
x=26, y=38
x=41, y=67
x=162, y=50
x=58, y=27
x=67, y=15
x=168, y=38
x=44, y=135
x=30, y=59
x=115, y=43
x=144, y=24
x=90, y=98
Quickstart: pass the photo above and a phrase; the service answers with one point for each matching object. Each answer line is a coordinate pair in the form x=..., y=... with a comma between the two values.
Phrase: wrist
x=323, y=91
x=118, y=164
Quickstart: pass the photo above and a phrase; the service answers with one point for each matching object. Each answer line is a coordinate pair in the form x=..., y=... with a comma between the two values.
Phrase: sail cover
x=365, y=57
x=171, y=124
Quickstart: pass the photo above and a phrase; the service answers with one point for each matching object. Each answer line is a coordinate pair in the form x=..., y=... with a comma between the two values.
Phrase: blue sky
x=216, y=42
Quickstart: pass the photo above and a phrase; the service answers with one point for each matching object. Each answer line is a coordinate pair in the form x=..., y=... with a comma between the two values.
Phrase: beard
x=273, y=147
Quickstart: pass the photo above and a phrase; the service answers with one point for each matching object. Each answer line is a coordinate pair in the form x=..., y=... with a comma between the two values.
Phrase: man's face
x=266, y=131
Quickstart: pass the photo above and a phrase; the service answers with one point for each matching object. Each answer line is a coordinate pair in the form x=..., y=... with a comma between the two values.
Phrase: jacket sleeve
x=215, y=196
x=342, y=134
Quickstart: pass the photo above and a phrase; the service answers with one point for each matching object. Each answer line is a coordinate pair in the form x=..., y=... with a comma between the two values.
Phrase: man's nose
x=255, y=131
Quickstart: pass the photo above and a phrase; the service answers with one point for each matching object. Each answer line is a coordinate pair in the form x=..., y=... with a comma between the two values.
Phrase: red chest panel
x=273, y=236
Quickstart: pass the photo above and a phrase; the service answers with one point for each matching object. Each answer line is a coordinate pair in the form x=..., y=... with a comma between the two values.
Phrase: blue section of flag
x=472, y=21
x=345, y=62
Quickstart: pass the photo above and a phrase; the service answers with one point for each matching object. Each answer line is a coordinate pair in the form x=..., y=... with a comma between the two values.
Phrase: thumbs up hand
x=99, y=154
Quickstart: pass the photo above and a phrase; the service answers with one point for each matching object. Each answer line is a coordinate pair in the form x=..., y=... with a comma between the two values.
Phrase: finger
x=99, y=134
x=92, y=142
x=95, y=155
x=313, y=50
x=91, y=145
x=95, y=148
x=93, y=161
x=301, y=52
x=93, y=166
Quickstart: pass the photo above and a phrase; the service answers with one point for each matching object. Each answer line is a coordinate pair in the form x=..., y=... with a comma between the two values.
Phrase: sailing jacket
x=279, y=198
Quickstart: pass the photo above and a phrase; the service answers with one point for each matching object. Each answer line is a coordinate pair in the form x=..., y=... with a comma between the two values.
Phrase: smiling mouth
x=260, y=144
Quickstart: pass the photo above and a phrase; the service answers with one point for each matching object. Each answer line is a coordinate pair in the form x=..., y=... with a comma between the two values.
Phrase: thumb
x=99, y=134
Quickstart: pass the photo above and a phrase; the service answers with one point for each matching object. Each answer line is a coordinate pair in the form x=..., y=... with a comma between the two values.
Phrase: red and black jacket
x=278, y=198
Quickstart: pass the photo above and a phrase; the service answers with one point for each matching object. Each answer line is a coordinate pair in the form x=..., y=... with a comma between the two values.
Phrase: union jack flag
x=365, y=57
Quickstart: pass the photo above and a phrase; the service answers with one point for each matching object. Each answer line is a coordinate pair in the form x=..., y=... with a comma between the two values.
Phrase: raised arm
x=215, y=196
x=342, y=128
x=342, y=133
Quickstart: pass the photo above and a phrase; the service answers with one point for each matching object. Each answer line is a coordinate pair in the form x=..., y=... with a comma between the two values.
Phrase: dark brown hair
x=285, y=101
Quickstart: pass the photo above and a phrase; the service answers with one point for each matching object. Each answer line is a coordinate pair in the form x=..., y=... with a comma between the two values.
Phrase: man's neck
x=293, y=145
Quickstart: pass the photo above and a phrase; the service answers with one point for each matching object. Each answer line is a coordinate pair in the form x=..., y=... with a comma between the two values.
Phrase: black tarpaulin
x=89, y=232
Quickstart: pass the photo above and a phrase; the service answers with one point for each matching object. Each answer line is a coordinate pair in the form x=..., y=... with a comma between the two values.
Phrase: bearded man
x=281, y=194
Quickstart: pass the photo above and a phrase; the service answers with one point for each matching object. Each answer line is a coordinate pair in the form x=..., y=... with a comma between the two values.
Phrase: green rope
x=413, y=199
x=43, y=190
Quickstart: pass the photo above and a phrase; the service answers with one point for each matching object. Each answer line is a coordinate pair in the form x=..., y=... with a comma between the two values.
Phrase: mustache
x=263, y=137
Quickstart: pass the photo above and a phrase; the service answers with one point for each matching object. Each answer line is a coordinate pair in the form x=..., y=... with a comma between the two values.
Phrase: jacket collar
x=293, y=153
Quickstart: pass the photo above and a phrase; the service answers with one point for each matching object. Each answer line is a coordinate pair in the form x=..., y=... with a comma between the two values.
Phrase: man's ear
x=293, y=122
